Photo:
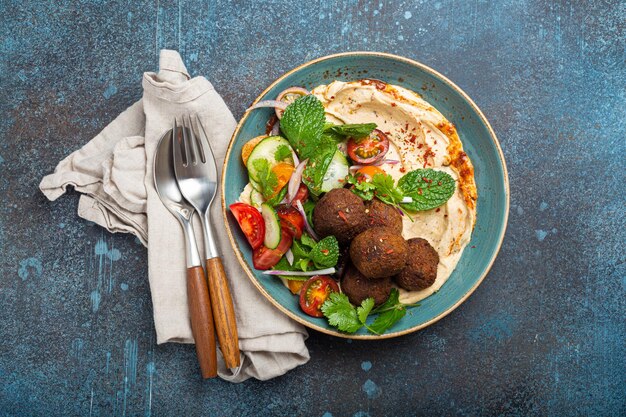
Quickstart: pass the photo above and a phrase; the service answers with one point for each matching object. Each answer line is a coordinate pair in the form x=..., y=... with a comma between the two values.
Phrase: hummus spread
x=420, y=137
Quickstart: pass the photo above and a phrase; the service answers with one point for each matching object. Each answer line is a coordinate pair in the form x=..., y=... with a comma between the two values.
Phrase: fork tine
x=190, y=155
x=196, y=142
x=177, y=147
x=206, y=141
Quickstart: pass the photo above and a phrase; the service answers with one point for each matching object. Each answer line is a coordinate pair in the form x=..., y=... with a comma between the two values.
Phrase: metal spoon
x=202, y=325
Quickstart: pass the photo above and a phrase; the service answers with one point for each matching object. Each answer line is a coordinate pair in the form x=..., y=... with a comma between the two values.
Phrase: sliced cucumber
x=336, y=172
x=266, y=150
x=245, y=195
x=256, y=198
x=272, y=226
x=255, y=185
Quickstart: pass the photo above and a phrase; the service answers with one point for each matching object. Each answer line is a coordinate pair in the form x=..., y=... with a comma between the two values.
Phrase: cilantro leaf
x=282, y=152
x=389, y=313
x=277, y=198
x=386, y=320
x=303, y=123
x=351, y=130
x=428, y=188
x=340, y=313
x=392, y=301
x=386, y=189
x=363, y=189
x=325, y=253
x=364, y=310
x=266, y=178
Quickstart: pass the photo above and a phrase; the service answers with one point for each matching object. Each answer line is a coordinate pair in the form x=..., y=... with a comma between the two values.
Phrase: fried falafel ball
x=421, y=267
x=358, y=288
x=379, y=252
x=340, y=213
x=381, y=214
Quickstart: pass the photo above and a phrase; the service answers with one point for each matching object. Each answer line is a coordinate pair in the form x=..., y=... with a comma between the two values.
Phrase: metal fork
x=196, y=174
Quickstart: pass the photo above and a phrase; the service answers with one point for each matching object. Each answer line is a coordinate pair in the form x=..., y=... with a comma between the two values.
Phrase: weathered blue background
x=544, y=334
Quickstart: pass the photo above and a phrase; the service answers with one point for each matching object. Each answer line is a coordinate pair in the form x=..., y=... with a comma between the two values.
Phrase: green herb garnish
x=282, y=152
x=340, y=313
x=326, y=253
x=303, y=124
x=267, y=179
x=350, y=130
x=345, y=317
x=428, y=188
x=310, y=255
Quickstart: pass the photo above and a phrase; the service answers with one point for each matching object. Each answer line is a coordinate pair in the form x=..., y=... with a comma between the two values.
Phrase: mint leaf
x=428, y=188
x=364, y=310
x=351, y=130
x=282, y=152
x=265, y=177
x=299, y=250
x=303, y=264
x=303, y=123
x=307, y=240
x=340, y=313
x=325, y=253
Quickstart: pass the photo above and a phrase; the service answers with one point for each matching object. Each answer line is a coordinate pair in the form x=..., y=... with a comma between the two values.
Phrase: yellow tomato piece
x=370, y=170
x=249, y=146
x=283, y=172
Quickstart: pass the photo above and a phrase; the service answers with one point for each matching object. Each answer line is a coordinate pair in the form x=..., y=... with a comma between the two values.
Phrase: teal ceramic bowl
x=479, y=142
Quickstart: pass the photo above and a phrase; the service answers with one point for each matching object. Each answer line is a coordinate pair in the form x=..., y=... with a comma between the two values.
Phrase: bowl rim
x=337, y=333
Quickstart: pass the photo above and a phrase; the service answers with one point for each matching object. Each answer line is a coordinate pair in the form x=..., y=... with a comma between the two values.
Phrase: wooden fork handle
x=202, y=325
x=223, y=311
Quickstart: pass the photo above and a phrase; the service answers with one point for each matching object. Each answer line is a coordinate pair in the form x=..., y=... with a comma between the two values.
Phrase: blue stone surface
x=543, y=335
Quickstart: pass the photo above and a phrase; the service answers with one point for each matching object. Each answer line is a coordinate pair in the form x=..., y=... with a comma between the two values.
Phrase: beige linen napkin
x=114, y=173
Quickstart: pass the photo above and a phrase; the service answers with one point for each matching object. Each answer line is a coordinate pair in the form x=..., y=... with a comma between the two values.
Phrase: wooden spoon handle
x=223, y=311
x=202, y=325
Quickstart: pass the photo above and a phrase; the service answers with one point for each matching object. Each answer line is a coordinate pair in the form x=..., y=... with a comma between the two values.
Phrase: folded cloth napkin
x=114, y=173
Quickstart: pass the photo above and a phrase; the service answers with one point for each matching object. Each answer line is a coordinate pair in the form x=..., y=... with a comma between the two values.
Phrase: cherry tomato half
x=251, y=223
x=290, y=220
x=314, y=292
x=264, y=258
x=369, y=149
x=302, y=194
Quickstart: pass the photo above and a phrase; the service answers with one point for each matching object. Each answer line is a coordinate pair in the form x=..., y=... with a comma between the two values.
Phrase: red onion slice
x=269, y=103
x=296, y=160
x=295, y=180
x=376, y=164
x=307, y=225
x=289, y=256
x=275, y=129
x=290, y=90
x=326, y=271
